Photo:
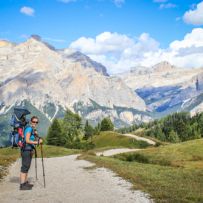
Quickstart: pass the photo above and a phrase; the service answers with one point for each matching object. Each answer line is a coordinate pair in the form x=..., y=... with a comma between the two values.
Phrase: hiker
x=27, y=152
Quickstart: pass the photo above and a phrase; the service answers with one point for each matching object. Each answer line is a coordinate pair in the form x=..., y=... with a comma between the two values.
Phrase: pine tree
x=89, y=130
x=173, y=137
x=72, y=127
x=54, y=136
x=106, y=124
x=97, y=129
x=158, y=133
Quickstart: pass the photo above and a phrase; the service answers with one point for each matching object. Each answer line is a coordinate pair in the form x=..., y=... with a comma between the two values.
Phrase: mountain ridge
x=42, y=75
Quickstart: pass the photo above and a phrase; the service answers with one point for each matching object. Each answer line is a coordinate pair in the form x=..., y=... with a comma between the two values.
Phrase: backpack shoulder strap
x=27, y=126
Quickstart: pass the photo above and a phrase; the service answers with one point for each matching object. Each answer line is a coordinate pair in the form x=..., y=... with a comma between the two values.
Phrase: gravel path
x=68, y=181
x=140, y=138
x=112, y=152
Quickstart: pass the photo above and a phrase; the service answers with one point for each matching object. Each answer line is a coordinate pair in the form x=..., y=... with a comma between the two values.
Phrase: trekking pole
x=36, y=163
x=43, y=165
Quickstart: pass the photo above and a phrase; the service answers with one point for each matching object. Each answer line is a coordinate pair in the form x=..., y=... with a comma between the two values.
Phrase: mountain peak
x=4, y=43
x=139, y=69
x=163, y=66
x=86, y=61
x=37, y=39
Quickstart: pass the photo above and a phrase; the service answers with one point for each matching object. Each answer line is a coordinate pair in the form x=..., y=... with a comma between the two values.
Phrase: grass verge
x=110, y=139
x=178, y=181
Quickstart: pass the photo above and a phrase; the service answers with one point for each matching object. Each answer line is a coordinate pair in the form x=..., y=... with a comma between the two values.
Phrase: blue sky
x=69, y=21
x=62, y=22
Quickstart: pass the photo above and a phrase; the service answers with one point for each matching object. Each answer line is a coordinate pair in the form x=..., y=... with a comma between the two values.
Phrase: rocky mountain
x=48, y=81
x=166, y=88
x=162, y=74
x=52, y=80
x=85, y=61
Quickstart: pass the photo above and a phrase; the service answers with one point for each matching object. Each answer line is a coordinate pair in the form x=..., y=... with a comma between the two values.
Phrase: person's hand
x=36, y=133
x=40, y=141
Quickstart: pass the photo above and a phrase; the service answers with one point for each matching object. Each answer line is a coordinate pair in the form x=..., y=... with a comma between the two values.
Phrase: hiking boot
x=24, y=186
x=28, y=184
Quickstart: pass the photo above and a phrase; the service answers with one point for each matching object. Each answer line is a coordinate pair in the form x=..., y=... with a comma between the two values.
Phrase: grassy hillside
x=110, y=139
x=9, y=155
x=171, y=173
x=141, y=132
x=185, y=155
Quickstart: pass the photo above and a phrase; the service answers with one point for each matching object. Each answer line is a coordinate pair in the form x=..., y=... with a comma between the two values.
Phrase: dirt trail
x=140, y=138
x=68, y=181
x=112, y=152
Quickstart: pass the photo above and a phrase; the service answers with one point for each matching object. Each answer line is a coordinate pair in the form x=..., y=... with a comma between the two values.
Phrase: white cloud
x=195, y=38
x=119, y=52
x=168, y=5
x=115, y=50
x=27, y=11
x=164, y=4
x=105, y=42
x=194, y=16
x=119, y=3
x=183, y=53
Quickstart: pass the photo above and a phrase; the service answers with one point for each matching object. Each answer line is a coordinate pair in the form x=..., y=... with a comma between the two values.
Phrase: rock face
x=167, y=88
x=37, y=72
x=162, y=74
x=163, y=67
x=85, y=61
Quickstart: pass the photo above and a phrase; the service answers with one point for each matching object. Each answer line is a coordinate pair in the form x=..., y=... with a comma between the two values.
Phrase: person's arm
x=37, y=137
x=28, y=141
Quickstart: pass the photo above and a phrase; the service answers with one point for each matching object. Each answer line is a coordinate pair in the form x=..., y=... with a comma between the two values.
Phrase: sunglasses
x=35, y=122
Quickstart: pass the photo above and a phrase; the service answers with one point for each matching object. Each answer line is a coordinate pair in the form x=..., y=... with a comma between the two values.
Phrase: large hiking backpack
x=18, y=122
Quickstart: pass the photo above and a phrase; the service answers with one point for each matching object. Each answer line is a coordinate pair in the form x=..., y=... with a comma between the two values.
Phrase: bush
x=143, y=144
x=80, y=145
x=133, y=157
x=107, y=125
x=130, y=157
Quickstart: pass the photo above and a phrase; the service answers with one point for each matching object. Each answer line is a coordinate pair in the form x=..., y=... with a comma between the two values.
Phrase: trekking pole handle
x=38, y=141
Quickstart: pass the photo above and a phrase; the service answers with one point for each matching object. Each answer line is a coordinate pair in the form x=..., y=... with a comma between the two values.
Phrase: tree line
x=72, y=133
x=177, y=127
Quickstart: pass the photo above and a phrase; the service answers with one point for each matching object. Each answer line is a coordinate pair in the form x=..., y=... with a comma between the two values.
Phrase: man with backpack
x=30, y=140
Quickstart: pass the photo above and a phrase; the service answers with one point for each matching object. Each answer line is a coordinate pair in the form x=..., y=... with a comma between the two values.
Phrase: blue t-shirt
x=32, y=137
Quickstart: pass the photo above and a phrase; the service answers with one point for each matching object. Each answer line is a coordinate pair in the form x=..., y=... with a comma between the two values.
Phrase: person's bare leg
x=22, y=177
x=26, y=177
